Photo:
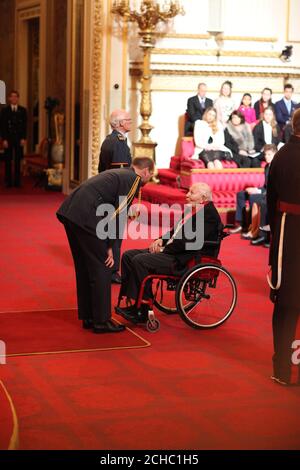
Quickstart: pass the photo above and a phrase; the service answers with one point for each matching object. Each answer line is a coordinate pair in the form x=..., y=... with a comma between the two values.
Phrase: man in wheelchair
x=171, y=253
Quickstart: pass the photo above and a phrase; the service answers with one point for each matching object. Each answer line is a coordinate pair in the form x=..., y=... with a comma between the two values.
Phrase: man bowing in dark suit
x=92, y=216
x=13, y=131
x=196, y=106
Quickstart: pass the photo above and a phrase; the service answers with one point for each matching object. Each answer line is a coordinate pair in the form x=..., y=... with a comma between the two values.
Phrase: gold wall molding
x=215, y=52
x=96, y=84
x=30, y=13
x=226, y=38
x=288, y=13
x=137, y=64
x=108, y=68
x=137, y=72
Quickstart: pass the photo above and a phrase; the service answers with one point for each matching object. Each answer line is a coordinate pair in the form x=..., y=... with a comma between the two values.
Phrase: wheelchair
x=204, y=294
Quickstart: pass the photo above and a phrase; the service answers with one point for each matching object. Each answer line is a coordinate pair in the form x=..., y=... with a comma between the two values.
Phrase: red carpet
x=8, y=421
x=57, y=332
x=189, y=390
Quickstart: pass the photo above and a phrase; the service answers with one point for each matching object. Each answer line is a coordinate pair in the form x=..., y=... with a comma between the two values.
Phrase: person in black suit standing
x=196, y=105
x=172, y=251
x=13, y=132
x=285, y=107
x=92, y=216
x=283, y=198
x=115, y=153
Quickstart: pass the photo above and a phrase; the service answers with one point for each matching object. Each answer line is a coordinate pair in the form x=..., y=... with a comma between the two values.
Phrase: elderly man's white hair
x=116, y=116
x=204, y=189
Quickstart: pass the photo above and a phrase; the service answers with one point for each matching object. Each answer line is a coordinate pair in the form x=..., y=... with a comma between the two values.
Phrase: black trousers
x=137, y=264
x=117, y=255
x=286, y=315
x=285, y=322
x=13, y=154
x=93, y=278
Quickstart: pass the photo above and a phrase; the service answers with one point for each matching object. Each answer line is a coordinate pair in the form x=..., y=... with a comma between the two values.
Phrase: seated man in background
x=251, y=194
x=172, y=251
x=196, y=106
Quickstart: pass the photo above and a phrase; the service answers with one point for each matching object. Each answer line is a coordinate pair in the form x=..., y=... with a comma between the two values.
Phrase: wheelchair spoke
x=206, y=296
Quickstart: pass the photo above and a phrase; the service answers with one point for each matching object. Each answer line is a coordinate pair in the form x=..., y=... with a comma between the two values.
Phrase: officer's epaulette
x=121, y=137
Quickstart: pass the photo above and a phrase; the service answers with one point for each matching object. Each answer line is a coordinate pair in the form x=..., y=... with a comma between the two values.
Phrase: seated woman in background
x=265, y=132
x=209, y=140
x=224, y=104
x=246, y=109
x=264, y=103
x=239, y=138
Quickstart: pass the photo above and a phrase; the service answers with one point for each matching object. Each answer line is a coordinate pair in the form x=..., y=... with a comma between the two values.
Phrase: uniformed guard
x=93, y=256
x=115, y=153
x=283, y=197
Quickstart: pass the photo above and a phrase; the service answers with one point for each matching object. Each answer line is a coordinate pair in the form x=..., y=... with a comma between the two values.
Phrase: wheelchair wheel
x=206, y=296
x=164, y=296
x=153, y=324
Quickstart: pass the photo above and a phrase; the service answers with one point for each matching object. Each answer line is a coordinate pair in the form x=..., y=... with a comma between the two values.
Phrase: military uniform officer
x=283, y=198
x=115, y=153
x=92, y=254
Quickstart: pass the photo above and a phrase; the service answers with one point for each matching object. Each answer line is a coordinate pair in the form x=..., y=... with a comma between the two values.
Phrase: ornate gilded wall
x=7, y=12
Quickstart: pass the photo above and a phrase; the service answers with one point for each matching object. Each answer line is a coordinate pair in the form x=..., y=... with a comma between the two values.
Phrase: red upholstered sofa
x=225, y=183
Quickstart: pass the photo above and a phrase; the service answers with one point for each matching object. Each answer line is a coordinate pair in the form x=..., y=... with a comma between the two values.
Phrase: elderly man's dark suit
x=78, y=214
x=283, y=196
x=137, y=264
x=13, y=128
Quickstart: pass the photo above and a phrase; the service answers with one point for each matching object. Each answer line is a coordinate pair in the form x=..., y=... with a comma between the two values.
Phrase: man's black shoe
x=134, y=315
x=267, y=245
x=87, y=324
x=108, y=327
x=130, y=310
x=116, y=278
x=258, y=241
